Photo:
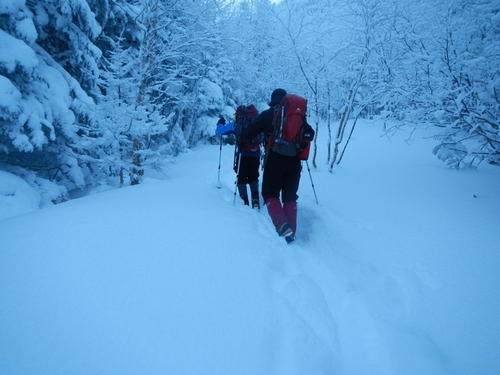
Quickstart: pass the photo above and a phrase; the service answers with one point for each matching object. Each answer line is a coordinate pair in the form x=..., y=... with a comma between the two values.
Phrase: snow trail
x=394, y=272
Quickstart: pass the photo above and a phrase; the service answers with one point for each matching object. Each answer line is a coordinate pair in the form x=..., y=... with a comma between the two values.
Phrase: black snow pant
x=249, y=169
x=281, y=177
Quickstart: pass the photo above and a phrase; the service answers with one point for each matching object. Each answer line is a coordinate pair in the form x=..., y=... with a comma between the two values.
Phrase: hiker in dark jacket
x=281, y=174
x=246, y=161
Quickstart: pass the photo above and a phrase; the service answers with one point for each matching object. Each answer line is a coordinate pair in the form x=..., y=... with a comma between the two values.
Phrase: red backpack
x=244, y=115
x=289, y=118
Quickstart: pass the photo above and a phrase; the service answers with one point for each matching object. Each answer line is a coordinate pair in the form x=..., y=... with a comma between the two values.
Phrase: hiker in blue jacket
x=247, y=153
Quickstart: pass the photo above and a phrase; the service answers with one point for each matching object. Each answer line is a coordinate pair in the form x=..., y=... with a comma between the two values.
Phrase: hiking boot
x=255, y=203
x=245, y=201
x=286, y=231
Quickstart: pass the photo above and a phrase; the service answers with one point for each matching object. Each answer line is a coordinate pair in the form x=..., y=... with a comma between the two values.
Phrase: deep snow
x=394, y=272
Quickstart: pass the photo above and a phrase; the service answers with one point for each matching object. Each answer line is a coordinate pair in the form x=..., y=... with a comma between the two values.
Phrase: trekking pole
x=237, y=176
x=312, y=183
x=219, y=185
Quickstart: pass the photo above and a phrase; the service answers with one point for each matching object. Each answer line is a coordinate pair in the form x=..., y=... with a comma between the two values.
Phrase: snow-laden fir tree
x=44, y=111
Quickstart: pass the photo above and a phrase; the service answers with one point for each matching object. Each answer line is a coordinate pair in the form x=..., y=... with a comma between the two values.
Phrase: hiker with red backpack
x=288, y=136
x=247, y=153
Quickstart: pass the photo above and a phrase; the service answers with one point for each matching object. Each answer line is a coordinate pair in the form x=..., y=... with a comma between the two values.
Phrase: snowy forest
x=96, y=92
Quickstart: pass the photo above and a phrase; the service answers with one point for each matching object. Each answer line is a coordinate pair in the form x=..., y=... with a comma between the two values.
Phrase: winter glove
x=222, y=121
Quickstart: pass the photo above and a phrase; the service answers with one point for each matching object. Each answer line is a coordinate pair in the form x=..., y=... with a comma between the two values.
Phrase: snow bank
x=16, y=196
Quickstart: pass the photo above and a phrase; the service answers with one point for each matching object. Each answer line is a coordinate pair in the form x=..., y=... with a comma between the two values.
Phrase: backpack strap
x=279, y=121
x=241, y=119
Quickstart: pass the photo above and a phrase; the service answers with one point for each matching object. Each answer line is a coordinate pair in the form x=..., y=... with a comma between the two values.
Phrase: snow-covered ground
x=396, y=271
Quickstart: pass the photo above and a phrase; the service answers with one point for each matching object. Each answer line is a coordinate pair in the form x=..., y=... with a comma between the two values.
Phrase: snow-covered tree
x=66, y=31
x=253, y=45
x=43, y=109
x=179, y=53
x=126, y=126
x=159, y=82
x=468, y=83
x=449, y=77
x=365, y=63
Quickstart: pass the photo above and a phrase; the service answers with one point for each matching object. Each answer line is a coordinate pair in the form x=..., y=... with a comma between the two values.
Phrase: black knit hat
x=276, y=96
